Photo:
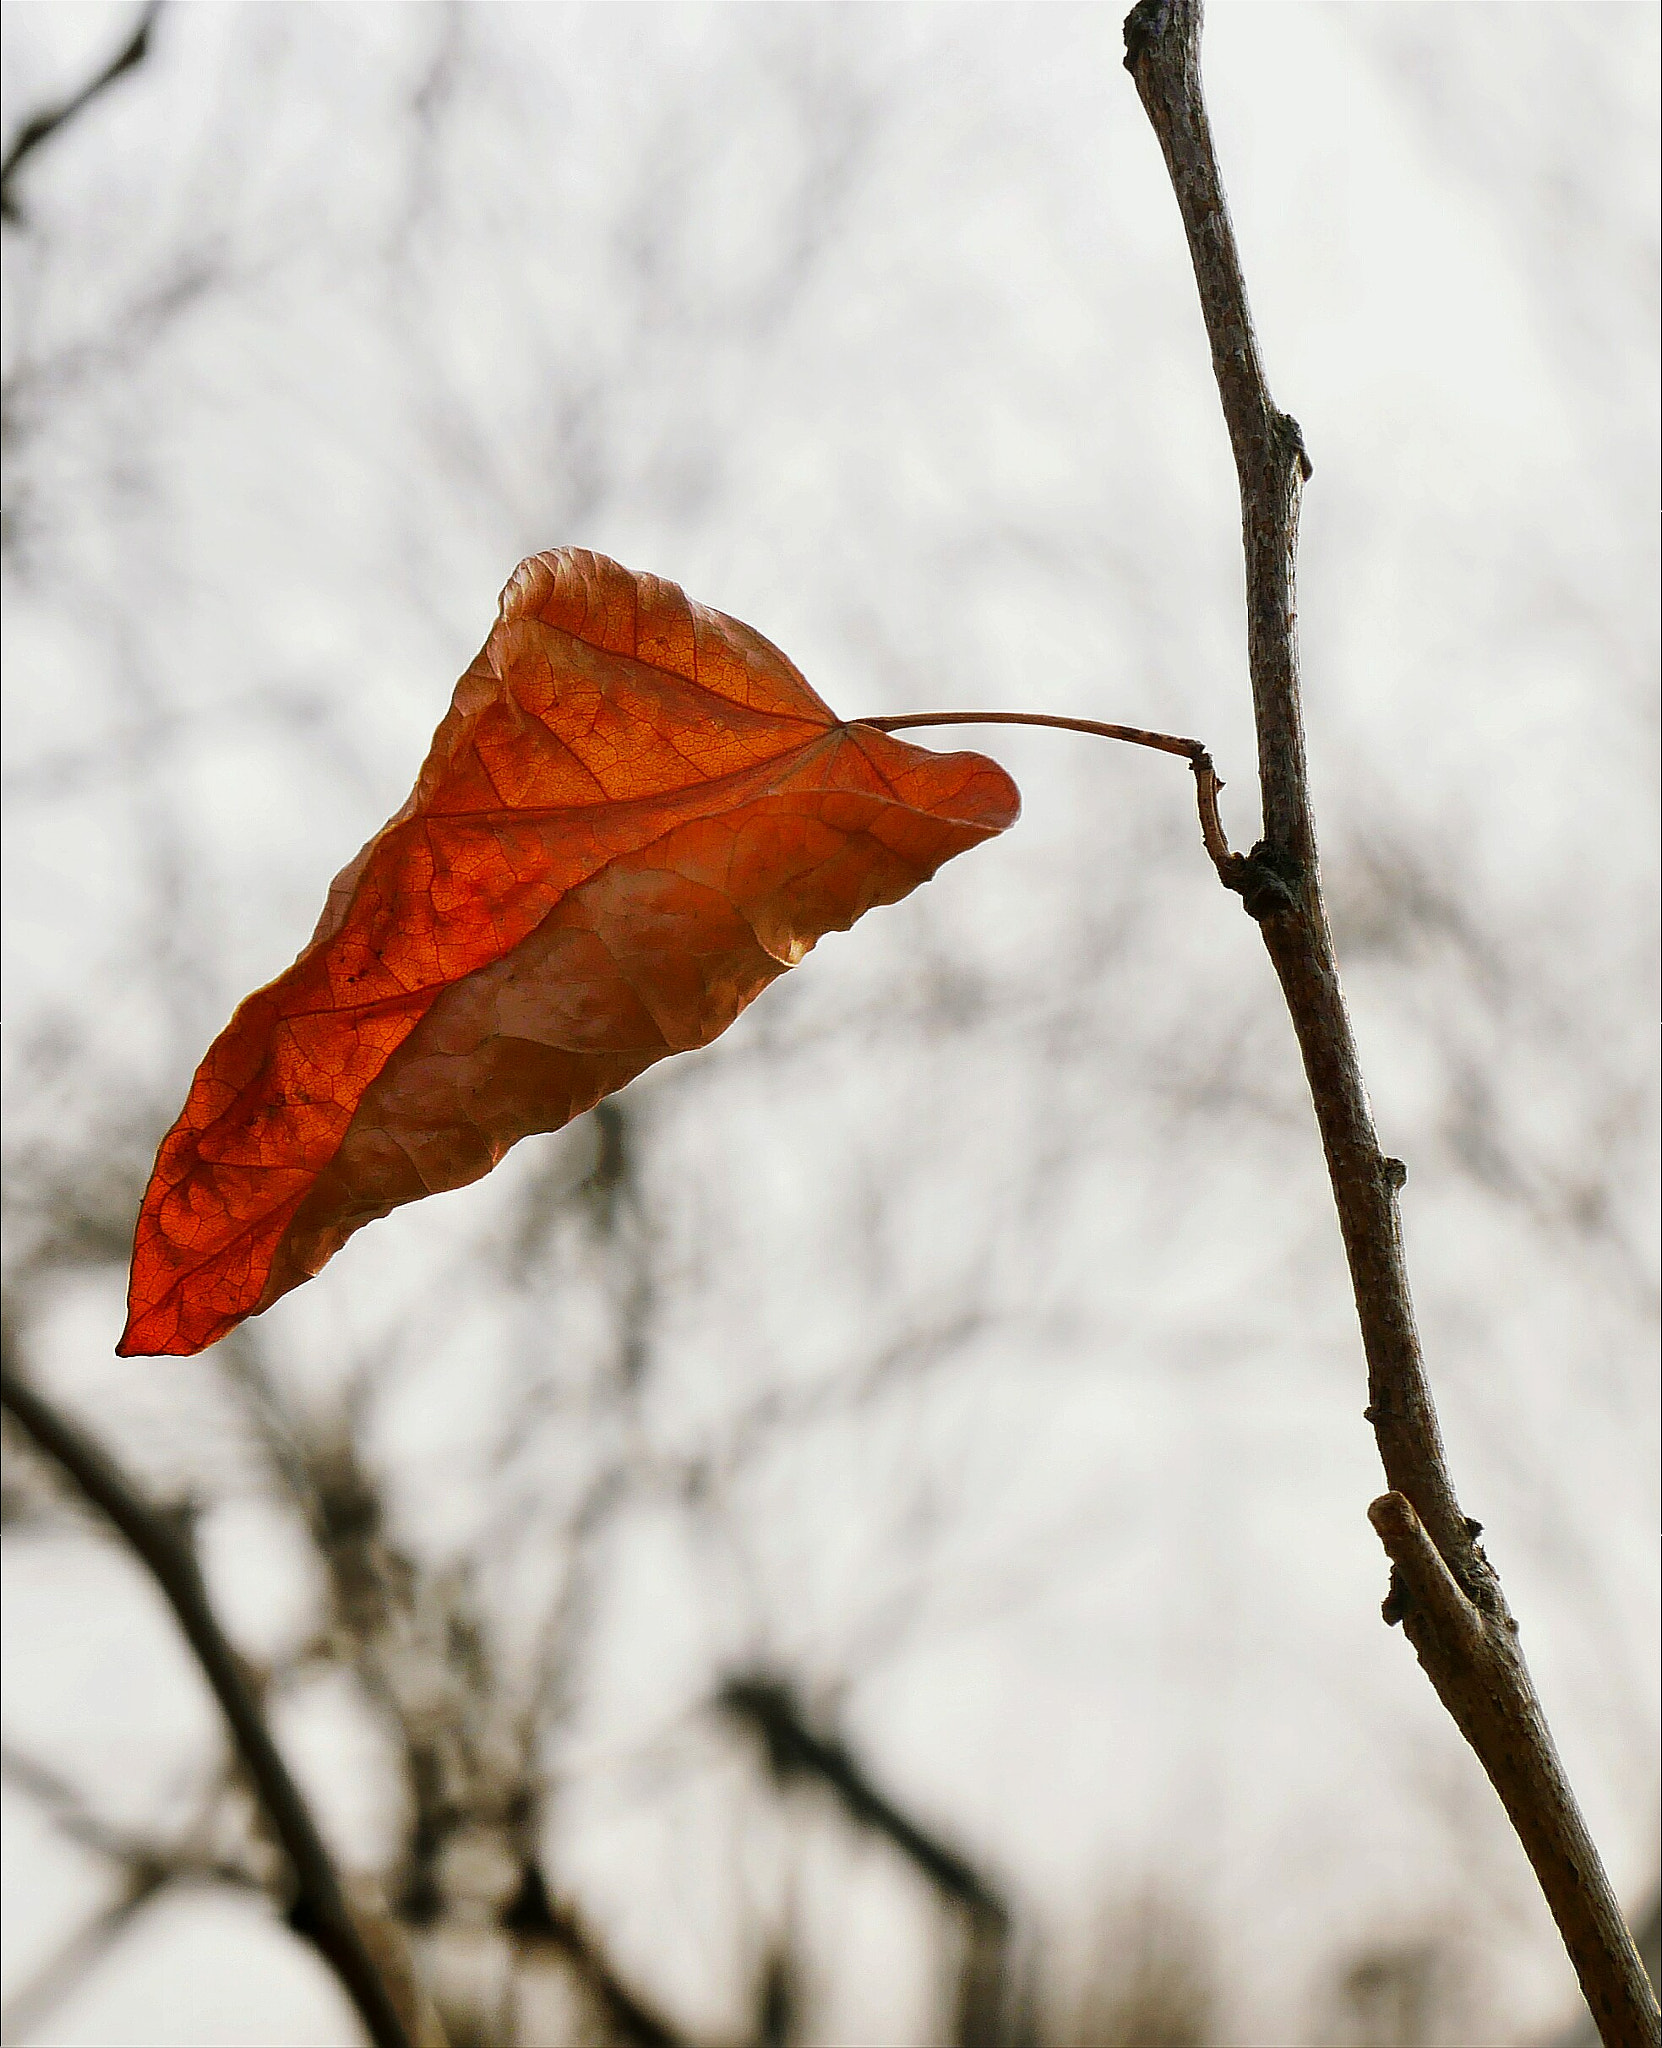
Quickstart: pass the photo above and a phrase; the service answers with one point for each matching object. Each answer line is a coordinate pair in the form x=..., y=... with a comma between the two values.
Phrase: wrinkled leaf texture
x=635, y=816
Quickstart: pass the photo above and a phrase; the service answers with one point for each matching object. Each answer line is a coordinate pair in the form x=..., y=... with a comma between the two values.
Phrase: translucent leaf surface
x=635, y=815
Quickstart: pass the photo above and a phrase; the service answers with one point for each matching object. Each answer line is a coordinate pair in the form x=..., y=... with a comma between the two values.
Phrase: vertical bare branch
x=1444, y=1590
x=319, y=1911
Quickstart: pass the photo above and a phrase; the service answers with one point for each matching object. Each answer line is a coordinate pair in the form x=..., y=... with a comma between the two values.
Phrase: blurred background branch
x=796, y=1752
x=39, y=127
x=317, y=1907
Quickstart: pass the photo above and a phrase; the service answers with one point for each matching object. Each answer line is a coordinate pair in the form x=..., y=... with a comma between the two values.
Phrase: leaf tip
x=135, y=1342
x=152, y=1332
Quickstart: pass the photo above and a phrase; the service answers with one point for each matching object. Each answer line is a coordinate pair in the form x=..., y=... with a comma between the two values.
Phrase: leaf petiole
x=1207, y=780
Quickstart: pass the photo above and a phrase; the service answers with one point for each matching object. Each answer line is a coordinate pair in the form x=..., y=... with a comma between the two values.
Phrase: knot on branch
x=1267, y=881
x=1481, y=1585
x=1147, y=22
x=1289, y=437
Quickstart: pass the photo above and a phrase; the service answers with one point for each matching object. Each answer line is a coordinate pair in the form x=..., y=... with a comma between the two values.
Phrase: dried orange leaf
x=635, y=815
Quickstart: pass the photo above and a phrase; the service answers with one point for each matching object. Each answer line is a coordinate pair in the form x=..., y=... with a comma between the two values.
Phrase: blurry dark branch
x=416, y=1649
x=418, y=1644
x=778, y=1998
x=420, y=1649
x=318, y=1911
x=66, y=1212
x=535, y=1920
x=69, y=1964
x=615, y=1200
x=145, y=1867
x=42, y=126
x=769, y=1709
x=74, y=1817
x=1443, y=1588
x=606, y=1201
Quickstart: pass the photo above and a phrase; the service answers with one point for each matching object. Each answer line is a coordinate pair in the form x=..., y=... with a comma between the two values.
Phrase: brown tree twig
x=319, y=1911
x=1443, y=1588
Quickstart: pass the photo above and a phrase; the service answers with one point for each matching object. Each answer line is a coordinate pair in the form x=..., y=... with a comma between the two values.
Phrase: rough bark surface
x=1444, y=1591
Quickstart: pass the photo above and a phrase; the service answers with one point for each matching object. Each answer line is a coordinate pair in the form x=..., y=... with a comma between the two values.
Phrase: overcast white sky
x=873, y=326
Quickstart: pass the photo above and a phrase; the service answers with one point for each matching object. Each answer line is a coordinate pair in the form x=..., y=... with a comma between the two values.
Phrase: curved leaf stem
x=1231, y=867
x=1166, y=742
